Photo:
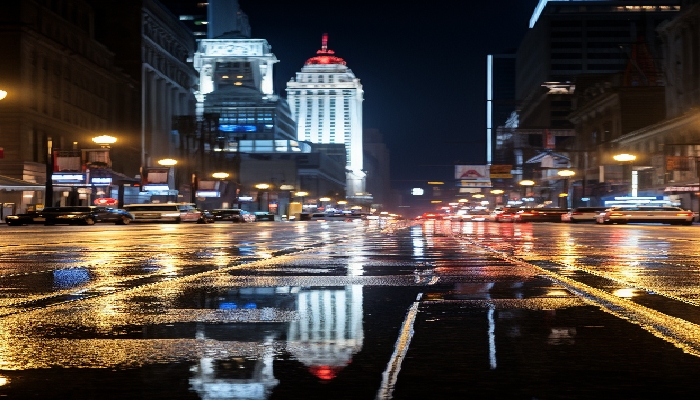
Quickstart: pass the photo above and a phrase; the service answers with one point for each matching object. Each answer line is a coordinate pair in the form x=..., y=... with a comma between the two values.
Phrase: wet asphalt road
x=361, y=310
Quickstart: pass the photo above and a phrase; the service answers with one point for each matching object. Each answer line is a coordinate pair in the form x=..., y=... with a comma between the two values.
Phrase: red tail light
x=684, y=214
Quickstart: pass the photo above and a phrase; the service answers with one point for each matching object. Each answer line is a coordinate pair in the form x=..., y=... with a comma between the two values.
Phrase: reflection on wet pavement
x=350, y=311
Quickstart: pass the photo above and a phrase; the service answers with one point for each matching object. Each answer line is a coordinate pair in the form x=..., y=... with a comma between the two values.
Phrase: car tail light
x=684, y=214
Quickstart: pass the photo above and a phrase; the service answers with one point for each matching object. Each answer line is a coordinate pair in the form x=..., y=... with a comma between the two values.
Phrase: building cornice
x=691, y=117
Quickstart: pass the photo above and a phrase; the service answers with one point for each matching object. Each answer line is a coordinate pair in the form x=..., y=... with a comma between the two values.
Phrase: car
x=646, y=214
x=32, y=217
x=231, y=214
x=85, y=215
x=318, y=217
x=189, y=212
x=476, y=216
x=431, y=216
x=582, y=214
x=264, y=216
x=506, y=214
x=206, y=217
x=545, y=214
x=155, y=212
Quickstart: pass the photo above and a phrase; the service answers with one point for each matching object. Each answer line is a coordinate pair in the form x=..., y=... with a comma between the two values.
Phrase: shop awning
x=11, y=184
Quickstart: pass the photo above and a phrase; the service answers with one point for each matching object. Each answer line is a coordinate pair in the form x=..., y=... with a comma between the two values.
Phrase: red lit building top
x=325, y=56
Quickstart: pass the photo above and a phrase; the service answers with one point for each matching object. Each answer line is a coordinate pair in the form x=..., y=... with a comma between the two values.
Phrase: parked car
x=85, y=215
x=264, y=216
x=33, y=217
x=648, y=214
x=206, y=217
x=231, y=214
x=540, y=214
x=582, y=214
x=189, y=212
x=155, y=212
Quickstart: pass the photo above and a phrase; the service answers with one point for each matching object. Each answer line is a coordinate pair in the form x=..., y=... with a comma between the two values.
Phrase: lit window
x=239, y=76
x=237, y=83
x=225, y=77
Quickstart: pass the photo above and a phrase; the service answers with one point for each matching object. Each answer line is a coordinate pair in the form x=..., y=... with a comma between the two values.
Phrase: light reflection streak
x=418, y=245
x=492, y=336
x=400, y=349
x=625, y=292
x=356, y=266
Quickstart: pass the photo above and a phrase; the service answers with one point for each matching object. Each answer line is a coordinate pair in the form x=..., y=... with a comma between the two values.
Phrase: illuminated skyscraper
x=326, y=102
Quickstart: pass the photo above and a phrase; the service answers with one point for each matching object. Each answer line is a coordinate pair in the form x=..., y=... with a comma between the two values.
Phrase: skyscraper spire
x=325, y=56
x=324, y=43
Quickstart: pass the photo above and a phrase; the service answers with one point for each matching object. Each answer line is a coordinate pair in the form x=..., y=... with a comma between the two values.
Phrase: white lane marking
x=391, y=373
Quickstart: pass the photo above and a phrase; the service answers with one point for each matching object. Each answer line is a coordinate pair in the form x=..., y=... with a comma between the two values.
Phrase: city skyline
x=391, y=51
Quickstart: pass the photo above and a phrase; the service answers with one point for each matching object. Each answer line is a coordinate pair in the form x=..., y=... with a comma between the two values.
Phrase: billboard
x=472, y=176
x=500, y=171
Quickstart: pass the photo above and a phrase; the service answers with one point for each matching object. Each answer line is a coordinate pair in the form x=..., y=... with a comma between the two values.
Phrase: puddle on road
x=336, y=341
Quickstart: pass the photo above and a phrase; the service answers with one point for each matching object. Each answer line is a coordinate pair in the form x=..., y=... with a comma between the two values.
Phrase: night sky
x=422, y=66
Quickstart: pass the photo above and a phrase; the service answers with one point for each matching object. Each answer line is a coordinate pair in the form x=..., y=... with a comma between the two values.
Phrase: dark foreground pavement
x=356, y=312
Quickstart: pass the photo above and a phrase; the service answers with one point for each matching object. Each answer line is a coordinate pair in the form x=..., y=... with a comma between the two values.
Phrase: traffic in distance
x=189, y=212
x=168, y=213
x=618, y=214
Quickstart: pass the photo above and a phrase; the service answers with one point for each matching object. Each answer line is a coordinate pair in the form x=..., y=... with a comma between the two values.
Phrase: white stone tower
x=326, y=102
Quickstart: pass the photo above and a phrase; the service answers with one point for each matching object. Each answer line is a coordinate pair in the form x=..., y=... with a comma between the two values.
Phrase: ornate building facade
x=326, y=102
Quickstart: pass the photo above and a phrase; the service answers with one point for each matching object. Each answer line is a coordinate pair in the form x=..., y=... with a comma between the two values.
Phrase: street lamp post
x=324, y=200
x=626, y=160
x=48, y=195
x=170, y=163
x=524, y=184
x=498, y=199
x=103, y=156
x=302, y=195
x=262, y=190
x=565, y=192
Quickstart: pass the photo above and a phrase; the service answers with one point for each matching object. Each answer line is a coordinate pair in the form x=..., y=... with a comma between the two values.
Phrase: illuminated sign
x=67, y=177
x=474, y=176
x=245, y=198
x=238, y=128
x=417, y=191
x=101, y=181
x=207, y=193
x=156, y=188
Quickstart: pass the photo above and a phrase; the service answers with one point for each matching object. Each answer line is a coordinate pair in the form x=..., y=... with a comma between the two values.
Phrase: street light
x=565, y=173
x=104, y=140
x=3, y=94
x=626, y=160
x=220, y=175
x=167, y=162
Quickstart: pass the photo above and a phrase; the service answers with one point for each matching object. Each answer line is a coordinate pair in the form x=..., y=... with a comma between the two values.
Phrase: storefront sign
x=682, y=189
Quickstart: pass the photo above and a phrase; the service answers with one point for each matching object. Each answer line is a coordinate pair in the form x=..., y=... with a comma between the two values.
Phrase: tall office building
x=500, y=103
x=326, y=102
x=236, y=86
